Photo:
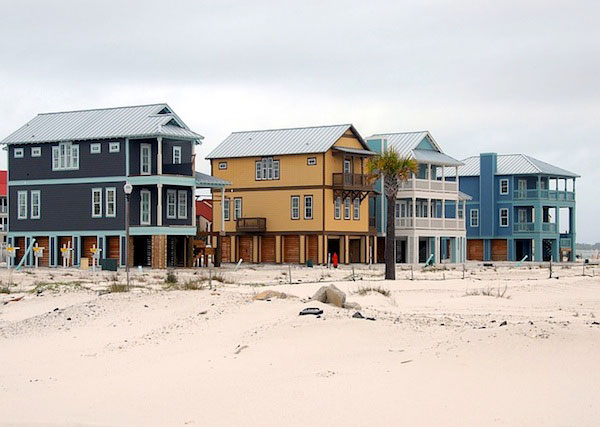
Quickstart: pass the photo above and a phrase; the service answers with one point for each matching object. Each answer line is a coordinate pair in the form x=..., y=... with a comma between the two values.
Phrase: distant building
x=518, y=206
x=3, y=206
x=204, y=215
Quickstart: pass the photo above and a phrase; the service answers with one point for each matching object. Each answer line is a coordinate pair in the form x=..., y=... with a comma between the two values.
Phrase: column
x=375, y=240
x=232, y=249
x=302, y=243
x=320, y=250
x=159, y=157
x=222, y=211
x=415, y=245
x=436, y=249
x=572, y=233
x=346, y=249
x=255, y=249
x=429, y=211
x=278, y=249
x=413, y=211
x=159, y=212
x=538, y=254
x=194, y=206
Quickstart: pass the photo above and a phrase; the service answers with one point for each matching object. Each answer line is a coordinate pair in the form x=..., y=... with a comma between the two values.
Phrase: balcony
x=541, y=194
x=351, y=181
x=251, y=225
x=420, y=223
x=529, y=227
x=429, y=185
x=178, y=169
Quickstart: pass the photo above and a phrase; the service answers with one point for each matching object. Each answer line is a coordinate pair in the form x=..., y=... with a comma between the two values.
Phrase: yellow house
x=296, y=195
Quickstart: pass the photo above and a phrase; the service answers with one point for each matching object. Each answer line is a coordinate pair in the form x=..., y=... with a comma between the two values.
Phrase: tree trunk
x=390, y=239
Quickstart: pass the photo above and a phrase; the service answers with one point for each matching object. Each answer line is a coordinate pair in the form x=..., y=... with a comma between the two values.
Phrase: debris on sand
x=268, y=294
x=503, y=323
x=239, y=349
x=358, y=315
x=311, y=310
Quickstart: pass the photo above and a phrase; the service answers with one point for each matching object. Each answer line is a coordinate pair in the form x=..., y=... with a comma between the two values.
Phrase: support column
x=320, y=250
x=453, y=249
x=194, y=206
x=255, y=249
x=375, y=241
x=572, y=232
x=159, y=212
x=429, y=211
x=302, y=248
x=278, y=249
x=158, y=157
x=437, y=250
x=415, y=245
x=232, y=249
x=346, y=249
x=159, y=251
x=538, y=254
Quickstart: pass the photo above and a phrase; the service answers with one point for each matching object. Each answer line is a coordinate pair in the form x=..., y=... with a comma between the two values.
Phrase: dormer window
x=65, y=156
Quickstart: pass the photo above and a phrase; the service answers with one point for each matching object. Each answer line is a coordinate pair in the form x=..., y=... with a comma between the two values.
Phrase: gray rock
x=330, y=295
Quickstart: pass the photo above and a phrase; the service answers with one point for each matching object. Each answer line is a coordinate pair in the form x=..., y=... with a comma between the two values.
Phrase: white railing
x=430, y=223
x=428, y=185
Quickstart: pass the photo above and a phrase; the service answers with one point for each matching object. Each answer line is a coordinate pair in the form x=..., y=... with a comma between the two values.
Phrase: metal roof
x=282, y=141
x=513, y=164
x=435, y=157
x=209, y=181
x=355, y=151
x=120, y=122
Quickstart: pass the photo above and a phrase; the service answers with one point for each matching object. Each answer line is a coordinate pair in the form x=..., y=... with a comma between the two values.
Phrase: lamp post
x=127, y=188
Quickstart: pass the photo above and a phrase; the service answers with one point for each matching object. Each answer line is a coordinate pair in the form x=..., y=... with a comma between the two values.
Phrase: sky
x=504, y=76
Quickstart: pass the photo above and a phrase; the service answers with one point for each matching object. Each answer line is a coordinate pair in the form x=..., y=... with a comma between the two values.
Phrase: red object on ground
x=334, y=260
x=3, y=180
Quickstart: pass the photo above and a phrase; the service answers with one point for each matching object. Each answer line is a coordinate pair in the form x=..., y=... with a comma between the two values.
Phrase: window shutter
x=55, y=157
x=75, y=156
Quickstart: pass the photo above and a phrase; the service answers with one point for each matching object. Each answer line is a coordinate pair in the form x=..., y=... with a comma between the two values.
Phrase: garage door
x=291, y=249
x=113, y=247
x=88, y=243
x=245, y=248
x=43, y=242
x=499, y=250
x=267, y=249
x=475, y=250
x=312, y=248
x=225, y=249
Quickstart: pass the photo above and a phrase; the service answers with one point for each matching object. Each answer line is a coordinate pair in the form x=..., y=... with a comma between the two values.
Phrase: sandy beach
x=504, y=346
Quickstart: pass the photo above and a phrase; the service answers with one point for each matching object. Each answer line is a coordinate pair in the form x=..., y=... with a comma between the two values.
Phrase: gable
x=426, y=144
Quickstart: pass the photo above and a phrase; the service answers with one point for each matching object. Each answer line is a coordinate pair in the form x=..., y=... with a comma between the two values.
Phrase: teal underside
x=134, y=231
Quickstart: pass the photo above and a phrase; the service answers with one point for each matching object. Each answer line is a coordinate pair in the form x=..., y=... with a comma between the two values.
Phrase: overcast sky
x=505, y=76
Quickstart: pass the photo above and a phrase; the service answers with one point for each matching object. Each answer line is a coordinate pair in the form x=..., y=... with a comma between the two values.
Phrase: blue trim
x=188, y=230
x=186, y=181
x=89, y=180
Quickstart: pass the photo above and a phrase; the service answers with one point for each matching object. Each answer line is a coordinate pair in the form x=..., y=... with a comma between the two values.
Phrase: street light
x=127, y=188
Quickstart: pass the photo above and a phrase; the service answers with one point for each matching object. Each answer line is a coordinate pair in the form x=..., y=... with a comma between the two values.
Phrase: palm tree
x=391, y=168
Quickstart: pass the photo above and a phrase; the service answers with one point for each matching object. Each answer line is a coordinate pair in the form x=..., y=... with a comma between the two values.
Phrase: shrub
x=364, y=290
x=116, y=288
x=171, y=278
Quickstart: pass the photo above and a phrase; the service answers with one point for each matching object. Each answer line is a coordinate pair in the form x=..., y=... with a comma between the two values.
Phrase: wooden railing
x=351, y=180
x=251, y=225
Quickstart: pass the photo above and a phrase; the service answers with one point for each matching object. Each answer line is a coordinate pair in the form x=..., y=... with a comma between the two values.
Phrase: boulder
x=268, y=294
x=330, y=295
x=352, y=305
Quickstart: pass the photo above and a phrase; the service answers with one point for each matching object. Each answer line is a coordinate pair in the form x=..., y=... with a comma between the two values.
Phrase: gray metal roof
x=282, y=141
x=355, y=151
x=406, y=143
x=513, y=164
x=209, y=181
x=121, y=122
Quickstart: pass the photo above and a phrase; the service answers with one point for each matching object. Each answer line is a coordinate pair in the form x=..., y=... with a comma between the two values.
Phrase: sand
x=437, y=354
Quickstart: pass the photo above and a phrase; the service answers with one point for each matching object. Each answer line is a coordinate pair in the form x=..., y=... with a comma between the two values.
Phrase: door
x=522, y=216
x=347, y=166
x=88, y=243
x=499, y=250
x=113, y=243
x=267, y=249
x=226, y=249
x=43, y=242
x=522, y=187
x=291, y=249
x=245, y=248
x=312, y=248
x=145, y=156
x=475, y=249
x=354, y=250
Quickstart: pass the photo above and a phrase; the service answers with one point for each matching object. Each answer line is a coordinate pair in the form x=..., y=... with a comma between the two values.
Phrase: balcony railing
x=351, y=181
x=429, y=185
x=523, y=227
x=549, y=227
x=565, y=242
x=251, y=225
x=178, y=169
x=430, y=223
x=535, y=193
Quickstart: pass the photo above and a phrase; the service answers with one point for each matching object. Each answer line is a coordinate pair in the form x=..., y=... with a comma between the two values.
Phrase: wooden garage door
x=225, y=248
x=19, y=243
x=43, y=242
x=267, y=249
x=312, y=248
x=475, y=249
x=245, y=248
x=291, y=249
x=88, y=243
x=113, y=247
x=499, y=250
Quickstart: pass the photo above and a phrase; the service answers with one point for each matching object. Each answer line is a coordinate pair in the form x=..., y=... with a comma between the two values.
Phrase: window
x=504, y=186
x=114, y=147
x=36, y=151
x=460, y=211
x=226, y=209
x=474, y=218
x=312, y=161
x=111, y=202
x=22, y=204
x=35, y=204
x=145, y=152
x=308, y=207
x=337, y=212
x=347, y=166
x=237, y=208
x=357, y=208
x=182, y=204
x=145, y=217
x=96, y=202
x=18, y=153
x=95, y=148
x=222, y=165
x=65, y=156
x=503, y=217
x=295, y=207
x=347, y=208
x=177, y=155
x=171, y=204
x=397, y=209
x=267, y=168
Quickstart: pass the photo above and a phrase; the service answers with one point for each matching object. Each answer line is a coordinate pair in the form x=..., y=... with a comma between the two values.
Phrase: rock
x=357, y=315
x=268, y=294
x=320, y=295
x=503, y=323
x=370, y=318
x=330, y=295
x=68, y=318
x=352, y=305
x=595, y=323
x=311, y=310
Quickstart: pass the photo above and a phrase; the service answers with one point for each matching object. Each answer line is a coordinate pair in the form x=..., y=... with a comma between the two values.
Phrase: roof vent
x=165, y=111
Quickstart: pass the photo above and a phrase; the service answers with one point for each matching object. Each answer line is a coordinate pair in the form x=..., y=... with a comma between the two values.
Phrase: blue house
x=521, y=208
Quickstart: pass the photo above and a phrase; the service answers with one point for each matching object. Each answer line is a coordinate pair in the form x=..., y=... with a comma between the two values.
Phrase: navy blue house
x=521, y=208
x=66, y=176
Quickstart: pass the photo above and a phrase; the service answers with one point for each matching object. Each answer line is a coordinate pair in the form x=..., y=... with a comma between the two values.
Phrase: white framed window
x=36, y=151
x=96, y=202
x=145, y=215
x=222, y=165
x=347, y=208
x=36, y=204
x=474, y=218
x=177, y=155
x=226, y=209
x=22, y=204
x=312, y=161
x=276, y=169
x=95, y=148
x=295, y=207
x=504, y=186
x=171, y=204
x=145, y=154
x=182, y=204
x=18, y=153
x=308, y=207
x=267, y=169
x=114, y=147
x=397, y=209
x=503, y=217
x=460, y=211
x=337, y=209
x=111, y=202
x=237, y=208
x=357, y=208
x=65, y=156
x=347, y=166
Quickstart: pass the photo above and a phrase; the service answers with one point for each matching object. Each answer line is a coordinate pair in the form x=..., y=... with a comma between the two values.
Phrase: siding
x=177, y=221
